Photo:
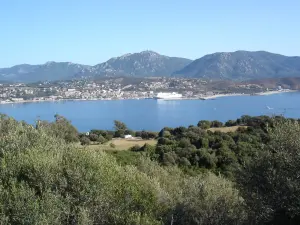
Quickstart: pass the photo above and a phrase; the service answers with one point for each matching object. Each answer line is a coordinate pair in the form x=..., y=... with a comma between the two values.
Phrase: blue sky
x=92, y=31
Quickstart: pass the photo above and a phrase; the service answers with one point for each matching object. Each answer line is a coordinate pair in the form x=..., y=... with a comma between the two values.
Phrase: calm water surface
x=155, y=114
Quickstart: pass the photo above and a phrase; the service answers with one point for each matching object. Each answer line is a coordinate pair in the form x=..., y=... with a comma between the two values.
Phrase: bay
x=149, y=114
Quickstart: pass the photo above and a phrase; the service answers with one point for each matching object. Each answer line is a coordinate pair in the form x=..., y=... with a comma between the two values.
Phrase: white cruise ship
x=168, y=96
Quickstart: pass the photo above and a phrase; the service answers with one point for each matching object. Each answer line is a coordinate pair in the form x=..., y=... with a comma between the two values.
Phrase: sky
x=92, y=31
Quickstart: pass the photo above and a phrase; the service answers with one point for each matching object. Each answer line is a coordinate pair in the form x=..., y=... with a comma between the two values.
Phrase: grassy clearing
x=125, y=157
x=226, y=129
x=121, y=144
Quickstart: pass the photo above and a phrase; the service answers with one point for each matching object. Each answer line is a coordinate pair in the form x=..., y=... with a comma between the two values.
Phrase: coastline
x=57, y=100
x=275, y=92
x=241, y=94
x=210, y=97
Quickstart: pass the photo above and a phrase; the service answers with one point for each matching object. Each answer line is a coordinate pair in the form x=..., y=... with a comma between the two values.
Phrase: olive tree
x=208, y=200
x=270, y=182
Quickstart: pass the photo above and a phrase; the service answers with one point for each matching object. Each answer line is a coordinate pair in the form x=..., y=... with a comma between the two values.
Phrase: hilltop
x=242, y=65
x=143, y=64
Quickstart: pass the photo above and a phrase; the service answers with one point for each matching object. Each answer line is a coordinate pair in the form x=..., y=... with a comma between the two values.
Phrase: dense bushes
x=210, y=200
x=96, y=136
x=46, y=180
x=270, y=180
x=198, y=147
x=85, y=140
x=60, y=128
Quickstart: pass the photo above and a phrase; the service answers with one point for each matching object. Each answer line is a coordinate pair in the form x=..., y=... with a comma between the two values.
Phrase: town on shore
x=128, y=88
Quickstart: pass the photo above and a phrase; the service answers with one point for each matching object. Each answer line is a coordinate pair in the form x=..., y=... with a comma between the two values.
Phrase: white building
x=128, y=136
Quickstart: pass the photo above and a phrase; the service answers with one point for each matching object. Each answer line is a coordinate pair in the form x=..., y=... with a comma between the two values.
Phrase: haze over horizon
x=91, y=32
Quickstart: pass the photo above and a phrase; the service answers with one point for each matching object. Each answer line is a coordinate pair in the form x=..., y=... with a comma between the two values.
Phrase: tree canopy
x=192, y=176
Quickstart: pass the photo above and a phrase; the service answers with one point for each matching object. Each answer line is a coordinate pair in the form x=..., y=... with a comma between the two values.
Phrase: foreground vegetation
x=193, y=175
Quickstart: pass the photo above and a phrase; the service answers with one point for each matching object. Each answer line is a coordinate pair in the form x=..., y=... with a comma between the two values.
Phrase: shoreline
x=254, y=94
x=210, y=97
x=61, y=100
x=275, y=92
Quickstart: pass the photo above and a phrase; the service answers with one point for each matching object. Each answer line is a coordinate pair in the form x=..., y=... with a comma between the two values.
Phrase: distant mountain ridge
x=235, y=66
x=143, y=64
x=49, y=71
x=242, y=65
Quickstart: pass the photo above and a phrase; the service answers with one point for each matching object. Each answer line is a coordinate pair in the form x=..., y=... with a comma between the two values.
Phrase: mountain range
x=242, y=65
x=237, y=66
x=49, y=71
x=143, y=64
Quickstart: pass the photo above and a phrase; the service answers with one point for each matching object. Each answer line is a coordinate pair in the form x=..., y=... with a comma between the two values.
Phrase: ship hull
x=170, y=98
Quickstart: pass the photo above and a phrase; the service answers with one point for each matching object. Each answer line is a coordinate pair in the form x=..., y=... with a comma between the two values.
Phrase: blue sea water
x=148, y=114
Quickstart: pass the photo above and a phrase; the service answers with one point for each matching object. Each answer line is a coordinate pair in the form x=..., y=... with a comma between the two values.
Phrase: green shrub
x=209, y=200
x=102, y=140
x=135, y=148
x=204, y=124
x=93, y=137
x=85, y=140
x=270, y=181
x=60, y=128
x=112, y=145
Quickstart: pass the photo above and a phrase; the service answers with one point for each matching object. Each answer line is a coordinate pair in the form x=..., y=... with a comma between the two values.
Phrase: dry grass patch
x=226, y=129
x=121, y=144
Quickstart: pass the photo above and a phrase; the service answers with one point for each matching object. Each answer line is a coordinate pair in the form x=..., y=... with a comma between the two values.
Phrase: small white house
x=128, y=136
